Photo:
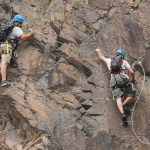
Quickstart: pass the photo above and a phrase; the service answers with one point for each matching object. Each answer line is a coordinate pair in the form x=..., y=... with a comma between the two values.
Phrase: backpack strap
x=13, y=42
x=115, y=80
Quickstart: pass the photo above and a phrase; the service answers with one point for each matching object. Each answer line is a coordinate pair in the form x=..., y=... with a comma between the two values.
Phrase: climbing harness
x=133, y=110
x=6, y=48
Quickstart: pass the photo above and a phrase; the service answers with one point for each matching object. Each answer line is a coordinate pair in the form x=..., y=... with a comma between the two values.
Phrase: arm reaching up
x=100, y=55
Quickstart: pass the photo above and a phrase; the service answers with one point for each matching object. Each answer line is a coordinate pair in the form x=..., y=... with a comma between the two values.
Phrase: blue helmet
x=120, y=52
x=18, y=18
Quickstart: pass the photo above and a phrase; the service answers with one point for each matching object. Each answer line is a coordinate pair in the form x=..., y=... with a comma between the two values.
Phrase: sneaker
x=6, y=83
x=127, y=110
x=124, y=120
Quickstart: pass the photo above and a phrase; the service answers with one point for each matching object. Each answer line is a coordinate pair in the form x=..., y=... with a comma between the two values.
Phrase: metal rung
x=128, y=121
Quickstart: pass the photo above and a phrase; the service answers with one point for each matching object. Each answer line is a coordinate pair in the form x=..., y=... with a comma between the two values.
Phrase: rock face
x=60, y=97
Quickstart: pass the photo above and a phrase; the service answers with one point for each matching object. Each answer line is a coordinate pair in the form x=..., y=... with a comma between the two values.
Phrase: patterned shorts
x=127, y=91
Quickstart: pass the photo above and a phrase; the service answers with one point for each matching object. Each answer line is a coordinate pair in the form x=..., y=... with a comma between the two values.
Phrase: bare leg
x=120, y=105
x=129, y=99
x=4, y=71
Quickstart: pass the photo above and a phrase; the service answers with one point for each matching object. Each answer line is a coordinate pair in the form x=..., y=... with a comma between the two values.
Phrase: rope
x=132, y=115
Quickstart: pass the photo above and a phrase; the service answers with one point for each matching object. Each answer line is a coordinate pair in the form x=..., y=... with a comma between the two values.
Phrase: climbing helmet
x=120, y=52
x=18, y=18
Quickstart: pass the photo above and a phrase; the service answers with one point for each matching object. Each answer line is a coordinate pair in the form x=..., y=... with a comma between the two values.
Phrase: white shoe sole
x=6, y=84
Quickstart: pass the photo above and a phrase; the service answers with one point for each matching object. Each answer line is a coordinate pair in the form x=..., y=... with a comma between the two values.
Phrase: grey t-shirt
x=16, y=33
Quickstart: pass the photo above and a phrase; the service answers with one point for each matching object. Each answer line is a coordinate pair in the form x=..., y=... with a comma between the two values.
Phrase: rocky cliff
x=60, y=98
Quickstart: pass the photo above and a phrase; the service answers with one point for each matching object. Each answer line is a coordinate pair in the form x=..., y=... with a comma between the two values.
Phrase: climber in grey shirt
x=8, y=47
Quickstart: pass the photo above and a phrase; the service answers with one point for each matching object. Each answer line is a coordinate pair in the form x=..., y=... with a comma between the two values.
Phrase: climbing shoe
x=124, y=120
x=6, y=83
x=127, y=110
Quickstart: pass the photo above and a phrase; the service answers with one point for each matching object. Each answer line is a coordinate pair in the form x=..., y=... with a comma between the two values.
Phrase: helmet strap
x=120, y=56
x=17, y=24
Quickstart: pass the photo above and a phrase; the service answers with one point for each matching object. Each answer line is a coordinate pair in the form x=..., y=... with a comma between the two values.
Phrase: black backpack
x=117, y=78
x=5, y=30
x=116, y=65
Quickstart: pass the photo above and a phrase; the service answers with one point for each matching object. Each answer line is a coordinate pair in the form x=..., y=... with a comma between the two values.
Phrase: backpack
x=116, y=65
x=118, y=79
x=5, y=30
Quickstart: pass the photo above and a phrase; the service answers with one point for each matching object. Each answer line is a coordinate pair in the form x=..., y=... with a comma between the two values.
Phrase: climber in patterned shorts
x=122, y=88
